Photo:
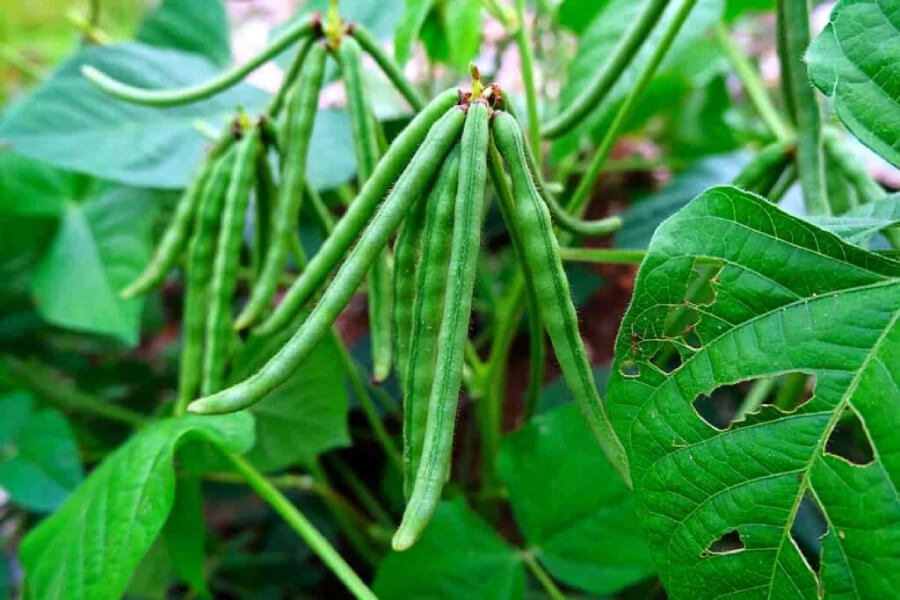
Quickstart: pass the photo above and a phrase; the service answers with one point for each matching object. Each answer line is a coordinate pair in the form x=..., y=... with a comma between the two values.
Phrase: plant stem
x=578, y=202
x=542, y=576
x=755, y=397
x=614, y=256
x=295, y=519
x=753, y=85
x=9, y=55
x=527, y=59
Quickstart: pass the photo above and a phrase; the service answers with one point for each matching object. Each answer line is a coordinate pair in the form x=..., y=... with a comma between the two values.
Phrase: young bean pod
x=199, y=265
x=264, y=208
x=551, y=287
x=365, y=142
x=437, y=448
x=225, y=266
x=358, y=214
x=428, y=283
x=388, y=66
x=851, y=167
x=411, y=184
x=766, y=167
x=302, y=107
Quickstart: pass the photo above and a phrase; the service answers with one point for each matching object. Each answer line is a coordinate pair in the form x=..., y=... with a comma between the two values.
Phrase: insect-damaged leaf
x=743, y=290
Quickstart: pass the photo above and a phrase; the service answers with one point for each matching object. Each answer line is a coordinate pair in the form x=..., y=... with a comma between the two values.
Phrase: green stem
x=753, y=85
x=295, y=519
x=542, y=576
x=578, y=202
x=614, y=256
x=10, y=56
x=527, y=59
x=755, y=397
x=193, y=93
x=290, y=77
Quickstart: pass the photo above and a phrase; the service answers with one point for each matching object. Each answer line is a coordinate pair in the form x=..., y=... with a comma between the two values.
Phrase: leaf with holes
x=733, y=289
x=854, y=61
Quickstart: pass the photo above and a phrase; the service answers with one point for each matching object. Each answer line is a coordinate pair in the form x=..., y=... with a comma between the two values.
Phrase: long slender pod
x=358, y=214
x=227, y=259
x=444, y=397
x=793, y=39
x=407, y=251
x=852, y=167
x=388, y=66
x=552, y=290
x=365, y=142
x=199, y=265
x=410, y=185
x=290, y=78
x=302, y=106
x=609, y=73
x=193, y=93
x=318, y=208
x=766, y=167
x=264, y=197
x=430, y=281
x=175, y=237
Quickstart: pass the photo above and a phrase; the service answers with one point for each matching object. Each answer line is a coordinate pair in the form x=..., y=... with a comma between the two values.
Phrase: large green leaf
x=197, y=26
x=407, y=32
x=743, y=290
x=71, y=124
x=102, y=243
x=39, y=463
x=459, y=556
x=92, y=544
x=854, y=61
x=31, y=187
x=861, y=223
x=570, y=504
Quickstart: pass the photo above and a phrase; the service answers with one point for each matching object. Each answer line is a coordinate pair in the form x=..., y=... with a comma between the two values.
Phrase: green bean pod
x=593, y=95
x=411, y=184
x=227, y=259
x=551, y=288
x=407, y=249
x=428, y=283
x=852, y=167
x=264, y=197
x=358, y=214
x=199, y=267
x=365, y=141
x=437, y=448
x=766, y=167
x=388, y=66
x=302, y=105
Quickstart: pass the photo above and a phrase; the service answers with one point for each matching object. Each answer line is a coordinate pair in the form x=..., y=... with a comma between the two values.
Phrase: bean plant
x=206, y=282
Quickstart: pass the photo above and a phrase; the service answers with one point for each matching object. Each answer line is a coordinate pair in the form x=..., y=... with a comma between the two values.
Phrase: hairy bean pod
x=199, y=266
x=766, y=167
x=365, y=142
x=409, y=186
x=290, y=78
x=302, y=106
x=551, y=287
x=625, y=51
x=358, y=214
x=407, y=249
x=264, y=207
x=193, y=93
x=227, y=259
x=437, y=448
x=388, y=66
x=428, y=283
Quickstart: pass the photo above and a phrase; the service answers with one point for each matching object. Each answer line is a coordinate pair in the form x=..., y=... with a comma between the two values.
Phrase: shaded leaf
x=31, y=187
x=184, y=535
x=197, y=26
x=571, y=505
x=90, y=547
x=854, y=61
x=407, y=32
x=861, y=223
x=743, y=290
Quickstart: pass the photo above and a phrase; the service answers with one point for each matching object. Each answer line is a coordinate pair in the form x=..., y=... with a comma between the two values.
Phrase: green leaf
x=854, y=61
x=197, y=26
x=407, y=32
x=577, y=15
x=575, y=513
x=743, y=290
x=39, y=463
x=459, y=556
x=331, y=160
x=861, y=223
x=100, y=246
x=90, y=547
x=31, y=187
x=381, y=18
x=304, y=416
x=184, y=535
x=71, y=124
x=462, y=27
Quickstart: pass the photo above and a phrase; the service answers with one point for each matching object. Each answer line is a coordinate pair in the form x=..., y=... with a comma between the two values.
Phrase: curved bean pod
x=227, y=259
x=429, y=282
x=365, y=142
x=264, y=208
x=851, y=167
x=411, y=184
x=358, y=214
x=551, y=287
x=766, y=165
x=388, y=66
x=199, y=265
x=609, y=73
x=437, y=449
x=193, y=93
x=303, y=103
